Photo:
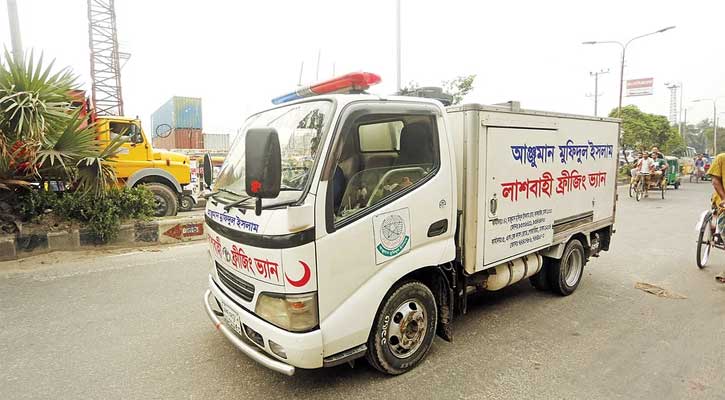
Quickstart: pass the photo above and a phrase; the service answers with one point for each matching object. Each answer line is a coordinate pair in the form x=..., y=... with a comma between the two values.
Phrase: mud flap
x=448, y=294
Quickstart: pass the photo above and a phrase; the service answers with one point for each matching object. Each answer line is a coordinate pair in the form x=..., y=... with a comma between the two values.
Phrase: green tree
x=641, y=130
x=459, y=87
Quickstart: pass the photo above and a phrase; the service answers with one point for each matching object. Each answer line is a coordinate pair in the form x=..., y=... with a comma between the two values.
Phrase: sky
x=238, y=55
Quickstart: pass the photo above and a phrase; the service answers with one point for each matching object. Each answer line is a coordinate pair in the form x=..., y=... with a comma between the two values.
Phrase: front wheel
x=639, y=190
x=663, y=187
x=186, y=203
x=403, y=329
x=565, y=274
x=704, y=242
x=165, y=201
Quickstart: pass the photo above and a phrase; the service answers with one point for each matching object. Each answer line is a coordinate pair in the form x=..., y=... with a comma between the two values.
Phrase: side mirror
x=163, y=130
x=208, y=171
x=262, y=165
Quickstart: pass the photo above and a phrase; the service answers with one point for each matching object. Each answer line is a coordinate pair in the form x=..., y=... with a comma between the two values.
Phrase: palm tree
x=41, y=137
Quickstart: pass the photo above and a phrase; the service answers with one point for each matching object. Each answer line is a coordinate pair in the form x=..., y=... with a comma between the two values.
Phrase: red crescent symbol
x=305, y=277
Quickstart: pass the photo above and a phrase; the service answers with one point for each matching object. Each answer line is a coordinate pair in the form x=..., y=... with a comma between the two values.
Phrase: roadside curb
x=166, y=230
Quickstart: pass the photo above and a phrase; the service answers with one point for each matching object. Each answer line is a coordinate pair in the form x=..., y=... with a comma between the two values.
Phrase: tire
x=165, y=199
x=409, y=306
x=631, y=189
x=638, y=192
x=677, y=185
x=540, y=280
x=663, y=187
x=186, y=203
x=566, y=273
x=704, y=242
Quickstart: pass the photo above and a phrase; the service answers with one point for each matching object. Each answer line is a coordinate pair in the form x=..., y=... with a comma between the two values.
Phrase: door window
x=382, y=158
x=129, y=130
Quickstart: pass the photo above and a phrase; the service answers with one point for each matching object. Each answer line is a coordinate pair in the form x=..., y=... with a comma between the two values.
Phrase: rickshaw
x=637, y=182
x=673, y=172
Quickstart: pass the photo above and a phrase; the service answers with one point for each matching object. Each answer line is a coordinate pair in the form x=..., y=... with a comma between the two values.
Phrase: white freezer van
x=352, y=225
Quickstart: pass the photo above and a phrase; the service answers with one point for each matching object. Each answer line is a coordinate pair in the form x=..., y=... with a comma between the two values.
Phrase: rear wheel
x=566, y=273
x=704, y=242
x=165, y=200
x=403, y=329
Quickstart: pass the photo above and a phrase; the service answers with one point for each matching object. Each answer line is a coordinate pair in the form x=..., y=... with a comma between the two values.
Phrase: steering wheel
x=378, y=192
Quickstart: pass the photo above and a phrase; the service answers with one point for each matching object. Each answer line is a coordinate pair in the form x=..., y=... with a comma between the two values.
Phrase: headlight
x=294, y=313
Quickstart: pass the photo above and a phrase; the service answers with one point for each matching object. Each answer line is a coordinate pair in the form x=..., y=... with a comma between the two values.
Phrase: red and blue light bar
x=352, y=82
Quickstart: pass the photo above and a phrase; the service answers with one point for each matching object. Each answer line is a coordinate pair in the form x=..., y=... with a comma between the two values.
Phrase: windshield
x=300, y=128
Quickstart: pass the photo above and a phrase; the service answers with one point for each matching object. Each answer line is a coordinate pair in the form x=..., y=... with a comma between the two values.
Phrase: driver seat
x=416, y=145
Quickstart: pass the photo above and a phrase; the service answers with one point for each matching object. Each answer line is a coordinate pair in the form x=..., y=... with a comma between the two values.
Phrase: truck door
x=134, y=153
x=388, y=199
x=519, y=179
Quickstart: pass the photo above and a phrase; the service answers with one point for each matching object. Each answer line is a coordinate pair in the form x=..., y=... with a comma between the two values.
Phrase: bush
x=101, y=216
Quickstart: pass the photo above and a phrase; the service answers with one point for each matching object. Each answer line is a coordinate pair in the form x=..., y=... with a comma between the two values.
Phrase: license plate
x=232, y=318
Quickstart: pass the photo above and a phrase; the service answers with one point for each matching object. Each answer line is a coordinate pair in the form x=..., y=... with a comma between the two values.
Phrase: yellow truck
x=164, y=173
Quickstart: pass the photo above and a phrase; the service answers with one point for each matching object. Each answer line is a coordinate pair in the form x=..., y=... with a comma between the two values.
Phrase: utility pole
x=317, y=72
x=302, y=67
x=17, y=44
x=714, y=120
x=397, y=46
x=596, y=87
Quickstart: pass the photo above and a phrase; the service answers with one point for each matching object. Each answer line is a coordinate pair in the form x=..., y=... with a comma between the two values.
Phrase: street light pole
x=624, y=51
x=15, y=30
x=397, y=47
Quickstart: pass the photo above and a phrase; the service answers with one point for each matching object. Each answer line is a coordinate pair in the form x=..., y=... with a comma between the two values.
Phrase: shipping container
x=178, y=112
x=188, y=139
x=180, y=139
x=213, y=141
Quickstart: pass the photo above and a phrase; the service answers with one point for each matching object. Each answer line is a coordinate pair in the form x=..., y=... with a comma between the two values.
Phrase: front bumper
x=304, y=350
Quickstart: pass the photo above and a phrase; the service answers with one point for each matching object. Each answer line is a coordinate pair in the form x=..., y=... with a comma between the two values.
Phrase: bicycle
x=640, y=189
x=706, y=240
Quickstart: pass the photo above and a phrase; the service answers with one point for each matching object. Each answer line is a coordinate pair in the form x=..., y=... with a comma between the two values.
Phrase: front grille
x=241, y=288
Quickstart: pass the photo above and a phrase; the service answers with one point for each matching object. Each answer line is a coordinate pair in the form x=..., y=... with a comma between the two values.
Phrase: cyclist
x=644, y=167
x=716, y=172
x=699, y=167
x=660, y=167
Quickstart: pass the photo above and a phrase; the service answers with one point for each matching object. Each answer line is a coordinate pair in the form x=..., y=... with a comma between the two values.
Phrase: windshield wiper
x=226, y=191
x=236, y=203
x=283, y=188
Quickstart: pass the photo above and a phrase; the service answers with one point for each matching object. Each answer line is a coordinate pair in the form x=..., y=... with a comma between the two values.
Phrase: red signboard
x=640, y=87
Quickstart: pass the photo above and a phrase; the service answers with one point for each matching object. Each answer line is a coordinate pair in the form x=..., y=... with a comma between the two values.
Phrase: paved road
x=111, y=325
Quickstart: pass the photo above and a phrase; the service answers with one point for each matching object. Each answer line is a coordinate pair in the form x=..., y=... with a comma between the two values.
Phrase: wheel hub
x=407, y=329
x=160, y=204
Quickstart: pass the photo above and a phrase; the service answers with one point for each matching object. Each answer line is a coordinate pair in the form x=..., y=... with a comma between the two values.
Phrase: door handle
x=493, y=205
x=438, y=228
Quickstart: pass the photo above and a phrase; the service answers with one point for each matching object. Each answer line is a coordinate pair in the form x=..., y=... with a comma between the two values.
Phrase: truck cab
x=163, y=172
x=333, y=230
